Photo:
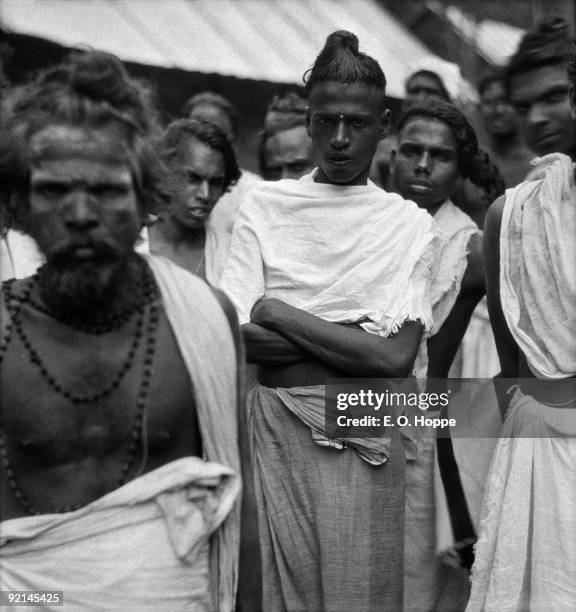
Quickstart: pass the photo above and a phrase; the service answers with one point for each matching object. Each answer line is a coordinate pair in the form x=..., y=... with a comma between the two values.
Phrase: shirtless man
x=110, y=398
x=203, y=158
x=525, y=556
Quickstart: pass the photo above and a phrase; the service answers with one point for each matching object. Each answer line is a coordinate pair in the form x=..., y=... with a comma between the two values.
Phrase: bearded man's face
x=84, y=213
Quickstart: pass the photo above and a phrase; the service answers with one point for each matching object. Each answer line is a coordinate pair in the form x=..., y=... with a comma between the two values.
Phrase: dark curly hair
x=341, y=61
x=207, y=133
x=88, y=90
x=547, y=45
x=473, y=163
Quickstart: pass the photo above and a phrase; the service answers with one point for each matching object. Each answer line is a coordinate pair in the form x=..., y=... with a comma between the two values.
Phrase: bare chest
x=83, y=412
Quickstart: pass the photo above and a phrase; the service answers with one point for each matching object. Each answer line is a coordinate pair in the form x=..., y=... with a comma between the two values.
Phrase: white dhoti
x=144, y=546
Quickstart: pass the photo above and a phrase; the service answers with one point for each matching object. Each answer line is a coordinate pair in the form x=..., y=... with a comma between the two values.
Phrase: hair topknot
x=90, y=90
x=547, y=44
x=341, y=61
x=344, y=40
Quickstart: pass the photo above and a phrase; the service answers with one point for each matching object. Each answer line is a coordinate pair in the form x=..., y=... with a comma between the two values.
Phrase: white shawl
x=220, y=226
x=537, y=266
x=345, y=254
x=455, y=228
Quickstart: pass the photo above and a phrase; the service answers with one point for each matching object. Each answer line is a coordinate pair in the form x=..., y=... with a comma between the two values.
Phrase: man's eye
x=51, y=190
x=444, y=157
x=108, y=191
x=556, y=96
x=192, y=178
x=409, y=150
x=326, y=121
x=359, y=123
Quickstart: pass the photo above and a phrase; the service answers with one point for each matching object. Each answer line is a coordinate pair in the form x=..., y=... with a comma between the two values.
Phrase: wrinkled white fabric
x=144, y=546
x=309, y=405
x=477, y=356
x=206, y=343
x=537, y=255
x=220, y=225
x=20, y=256
x=345, y=254
x=525, y=555
x=456, y=229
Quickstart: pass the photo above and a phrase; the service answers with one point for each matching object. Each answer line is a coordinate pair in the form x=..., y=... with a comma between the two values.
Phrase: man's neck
x=172, y=233
x=504, y=144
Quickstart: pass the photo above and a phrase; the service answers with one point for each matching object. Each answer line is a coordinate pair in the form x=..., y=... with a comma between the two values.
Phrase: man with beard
x=204, y=161
x=119, y=466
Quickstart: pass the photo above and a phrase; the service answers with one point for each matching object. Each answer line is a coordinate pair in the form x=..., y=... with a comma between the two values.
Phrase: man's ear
x=385, y=123
x=572, y=99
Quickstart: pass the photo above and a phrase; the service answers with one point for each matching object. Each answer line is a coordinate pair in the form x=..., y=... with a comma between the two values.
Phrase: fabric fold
x=283, y=248
x=537, y=254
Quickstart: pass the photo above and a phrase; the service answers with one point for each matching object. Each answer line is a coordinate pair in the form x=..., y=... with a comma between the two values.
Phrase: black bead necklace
x=138, y=428
x=14, y=307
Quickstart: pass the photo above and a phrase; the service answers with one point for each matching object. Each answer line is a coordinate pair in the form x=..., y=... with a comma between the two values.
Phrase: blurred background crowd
x=252, y=50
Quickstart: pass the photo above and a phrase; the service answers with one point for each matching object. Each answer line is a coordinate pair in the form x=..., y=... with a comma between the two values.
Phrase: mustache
x=65, y=250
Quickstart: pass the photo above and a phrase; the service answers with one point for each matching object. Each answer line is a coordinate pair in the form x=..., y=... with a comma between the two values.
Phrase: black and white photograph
x=288, y=305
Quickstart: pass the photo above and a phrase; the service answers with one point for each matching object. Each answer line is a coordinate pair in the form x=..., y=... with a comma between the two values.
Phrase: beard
x=83, y=289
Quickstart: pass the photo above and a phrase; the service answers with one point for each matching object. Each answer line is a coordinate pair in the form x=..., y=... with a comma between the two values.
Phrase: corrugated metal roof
x=271, y=40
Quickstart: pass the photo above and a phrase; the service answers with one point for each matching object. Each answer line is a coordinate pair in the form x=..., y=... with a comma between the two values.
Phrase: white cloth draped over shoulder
x=220, y=226
x=456, y=229
x=347, y=254
x=525, y=554
x=537, y=255
x=170, y=538
x=20, y=256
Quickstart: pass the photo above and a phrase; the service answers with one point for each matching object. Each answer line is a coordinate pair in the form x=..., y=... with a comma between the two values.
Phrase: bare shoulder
x=491, y=242
x=493, y=219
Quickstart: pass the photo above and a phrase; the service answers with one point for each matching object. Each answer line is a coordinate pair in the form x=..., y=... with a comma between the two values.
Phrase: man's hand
x=345, y=347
